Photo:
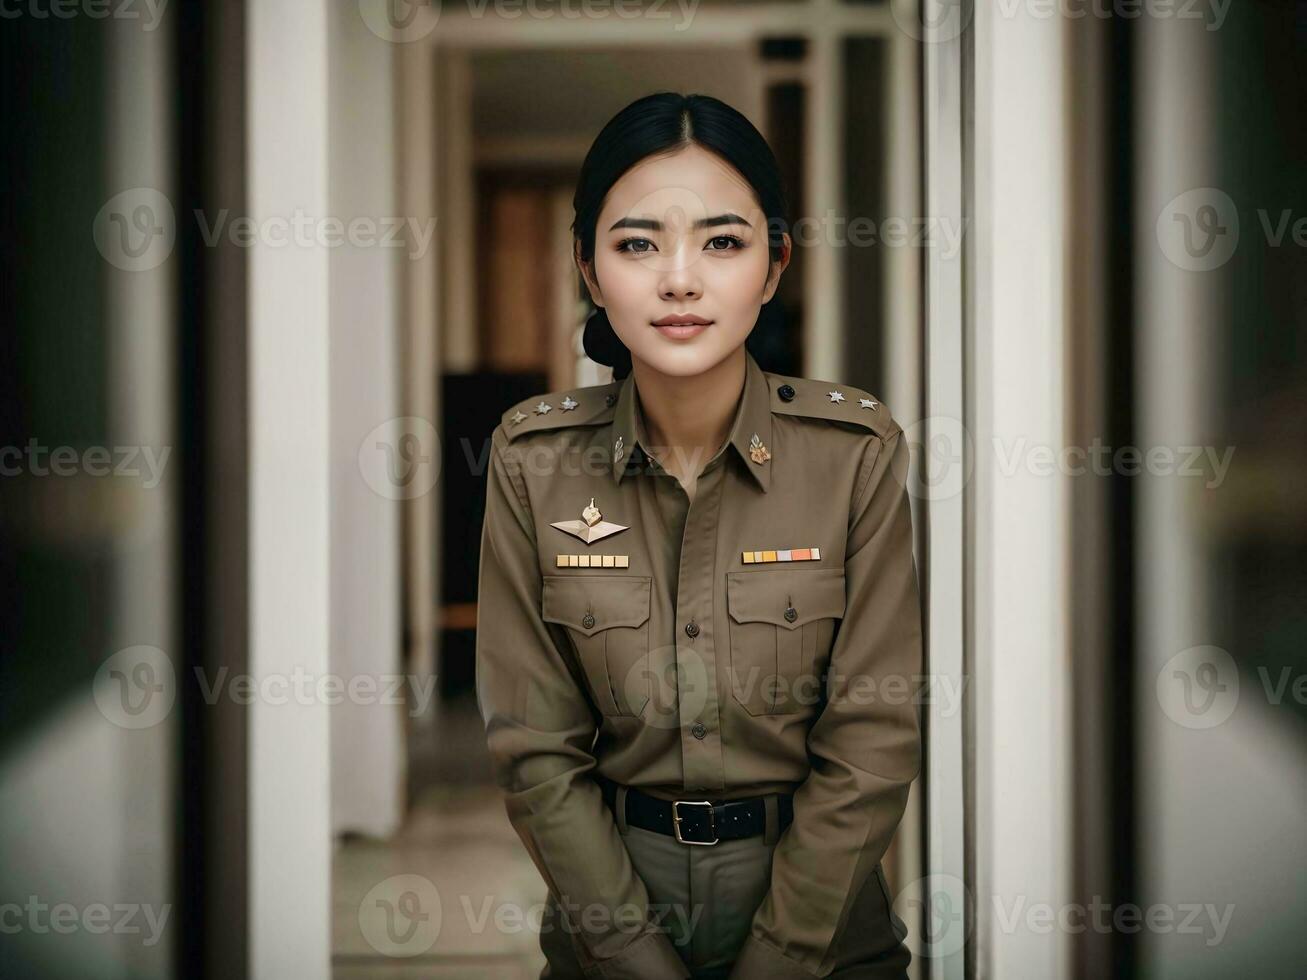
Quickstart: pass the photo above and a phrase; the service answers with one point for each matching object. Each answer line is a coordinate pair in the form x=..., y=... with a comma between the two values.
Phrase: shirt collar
x=753, y=419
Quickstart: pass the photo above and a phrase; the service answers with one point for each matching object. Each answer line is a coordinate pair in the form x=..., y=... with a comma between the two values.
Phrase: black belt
x=699, y=821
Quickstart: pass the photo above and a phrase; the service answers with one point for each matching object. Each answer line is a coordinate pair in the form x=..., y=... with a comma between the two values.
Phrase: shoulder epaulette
x=591, y=405
x=811, y=398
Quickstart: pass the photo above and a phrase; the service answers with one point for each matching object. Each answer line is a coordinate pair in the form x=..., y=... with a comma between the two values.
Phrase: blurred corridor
x=455, y=833
x=273, y=272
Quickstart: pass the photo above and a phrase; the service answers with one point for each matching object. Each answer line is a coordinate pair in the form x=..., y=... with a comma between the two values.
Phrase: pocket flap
x=764, y=595
x=613, y=600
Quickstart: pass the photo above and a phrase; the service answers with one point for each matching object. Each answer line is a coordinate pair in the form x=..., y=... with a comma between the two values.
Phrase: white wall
x=289, y=383
x=1022, y=733
x=367, y=734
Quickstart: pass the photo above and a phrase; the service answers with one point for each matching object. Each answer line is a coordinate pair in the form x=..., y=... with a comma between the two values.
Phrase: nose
x=673, y=292
x=681, y=280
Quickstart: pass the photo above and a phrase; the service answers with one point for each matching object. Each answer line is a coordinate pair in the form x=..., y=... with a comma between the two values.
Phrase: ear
x=774, y=276
x=587, y=273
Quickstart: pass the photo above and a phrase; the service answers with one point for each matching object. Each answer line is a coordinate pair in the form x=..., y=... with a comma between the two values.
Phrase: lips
x=681, y=320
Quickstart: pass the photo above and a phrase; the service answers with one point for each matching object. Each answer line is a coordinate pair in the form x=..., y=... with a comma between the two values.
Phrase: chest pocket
x=607, y=617
x=782, y=624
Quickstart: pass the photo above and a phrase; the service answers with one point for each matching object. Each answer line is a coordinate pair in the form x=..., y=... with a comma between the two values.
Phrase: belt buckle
x=676, y=821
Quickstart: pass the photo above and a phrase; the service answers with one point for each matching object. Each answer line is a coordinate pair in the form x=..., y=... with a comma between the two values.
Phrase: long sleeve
x=540, y=729
x=864, y=747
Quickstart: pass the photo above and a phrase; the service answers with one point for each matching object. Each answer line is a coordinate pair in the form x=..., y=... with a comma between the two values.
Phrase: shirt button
x=786, y=392
x=588, y=621
x=791, y=614
x=699, y=730
x=691, y=628
x=610, y=399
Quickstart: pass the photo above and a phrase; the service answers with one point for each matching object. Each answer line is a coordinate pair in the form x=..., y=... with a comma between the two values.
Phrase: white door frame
x=1018, y=541
x=942, y=896
x=289, y=377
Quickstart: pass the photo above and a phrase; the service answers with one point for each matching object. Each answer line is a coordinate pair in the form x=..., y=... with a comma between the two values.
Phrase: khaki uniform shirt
x=685, y=655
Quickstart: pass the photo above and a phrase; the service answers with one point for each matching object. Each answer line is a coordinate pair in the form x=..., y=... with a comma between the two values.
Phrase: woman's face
x=682, y=235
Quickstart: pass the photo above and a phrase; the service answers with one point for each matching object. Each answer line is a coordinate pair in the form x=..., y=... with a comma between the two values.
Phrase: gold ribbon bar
x=594, y=561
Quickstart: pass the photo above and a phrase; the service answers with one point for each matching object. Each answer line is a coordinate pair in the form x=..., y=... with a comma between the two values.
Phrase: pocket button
x=588, y=621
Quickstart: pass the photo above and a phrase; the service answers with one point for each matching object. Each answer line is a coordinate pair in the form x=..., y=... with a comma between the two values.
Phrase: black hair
x=662, y=123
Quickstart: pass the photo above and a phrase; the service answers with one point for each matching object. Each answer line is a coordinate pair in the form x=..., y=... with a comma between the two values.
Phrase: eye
x=628, y=245
x=732, y=240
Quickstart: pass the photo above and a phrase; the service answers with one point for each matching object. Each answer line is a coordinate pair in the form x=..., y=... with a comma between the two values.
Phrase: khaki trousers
x=704, y=897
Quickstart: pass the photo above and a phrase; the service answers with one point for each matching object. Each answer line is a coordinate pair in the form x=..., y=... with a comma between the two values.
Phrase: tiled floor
x=453, y=894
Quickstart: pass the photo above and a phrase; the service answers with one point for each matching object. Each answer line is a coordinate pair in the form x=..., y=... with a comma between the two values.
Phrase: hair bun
x=603, y=346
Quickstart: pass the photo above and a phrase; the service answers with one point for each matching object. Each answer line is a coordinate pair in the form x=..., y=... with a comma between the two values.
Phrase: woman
x=698, y=619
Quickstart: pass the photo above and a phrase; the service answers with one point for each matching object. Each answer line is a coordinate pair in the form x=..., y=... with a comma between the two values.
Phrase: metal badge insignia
x=757, y=451
x=836, y=396
x=867, y=402
x=592, y=527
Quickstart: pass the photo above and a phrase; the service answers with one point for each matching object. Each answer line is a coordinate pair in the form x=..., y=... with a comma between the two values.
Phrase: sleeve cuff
x=758, y=961
x=651, y=957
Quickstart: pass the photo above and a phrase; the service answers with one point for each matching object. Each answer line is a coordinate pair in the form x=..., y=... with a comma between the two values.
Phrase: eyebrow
x=652, y=224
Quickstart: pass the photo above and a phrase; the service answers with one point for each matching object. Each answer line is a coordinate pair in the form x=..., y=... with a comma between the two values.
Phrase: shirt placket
x=696, y=644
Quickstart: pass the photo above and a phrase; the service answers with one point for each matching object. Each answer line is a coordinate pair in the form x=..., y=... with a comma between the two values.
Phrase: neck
x=689, y=418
